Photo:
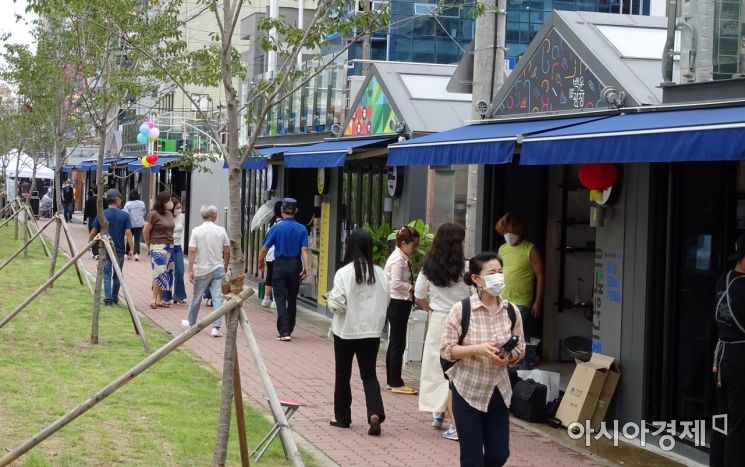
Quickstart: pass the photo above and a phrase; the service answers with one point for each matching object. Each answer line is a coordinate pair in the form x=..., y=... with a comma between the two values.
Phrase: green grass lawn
x=166, y=416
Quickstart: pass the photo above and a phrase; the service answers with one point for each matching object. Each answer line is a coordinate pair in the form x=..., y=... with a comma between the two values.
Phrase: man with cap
x=290, y=240
x=120, y=229
x=729, y=364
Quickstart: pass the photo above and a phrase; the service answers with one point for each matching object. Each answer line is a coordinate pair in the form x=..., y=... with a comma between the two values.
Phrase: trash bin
x=34, y=202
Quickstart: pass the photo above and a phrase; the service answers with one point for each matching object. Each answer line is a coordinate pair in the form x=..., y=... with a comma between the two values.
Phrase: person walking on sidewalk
x=479, y=380
x=729, y=364
x=120, y=228
x=68, y=200
x=268, y=292
x=358, y=300
x=439, y=286
x=524, y=278
x=401, y=285
x=177, y=292
x=158, y=233
x=90, y=212
x=290, y=240
x=136, y=209
x=209, y=256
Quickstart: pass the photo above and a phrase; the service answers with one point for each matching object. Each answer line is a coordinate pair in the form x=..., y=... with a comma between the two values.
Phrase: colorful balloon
x=144, y=129
x=142, y=139
x=145, y=162
x=154, y=133
x=149, y=124
x=152, y=158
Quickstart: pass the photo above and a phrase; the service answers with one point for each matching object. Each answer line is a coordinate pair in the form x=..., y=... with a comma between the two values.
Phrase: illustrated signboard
x=554, y=78
x=373, y=114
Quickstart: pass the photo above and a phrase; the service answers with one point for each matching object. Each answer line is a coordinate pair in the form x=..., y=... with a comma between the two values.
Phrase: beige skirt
x=433, y=387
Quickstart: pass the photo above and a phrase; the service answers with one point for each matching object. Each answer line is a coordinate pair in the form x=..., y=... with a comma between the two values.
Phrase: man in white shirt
x=209, y=255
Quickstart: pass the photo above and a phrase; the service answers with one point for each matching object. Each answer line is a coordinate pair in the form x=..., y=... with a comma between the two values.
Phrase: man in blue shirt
x=290, y=240
x=120, y=227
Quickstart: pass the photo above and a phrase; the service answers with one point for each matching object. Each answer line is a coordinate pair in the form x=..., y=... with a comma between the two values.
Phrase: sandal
x=339, y=424
x=153, y=306
x=405, y=389
x=163, y=305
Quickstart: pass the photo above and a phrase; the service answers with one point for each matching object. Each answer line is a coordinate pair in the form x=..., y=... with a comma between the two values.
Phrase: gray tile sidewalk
x=304, y=370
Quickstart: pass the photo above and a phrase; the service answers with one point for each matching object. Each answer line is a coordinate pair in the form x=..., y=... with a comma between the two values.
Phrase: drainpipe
x=667, y=59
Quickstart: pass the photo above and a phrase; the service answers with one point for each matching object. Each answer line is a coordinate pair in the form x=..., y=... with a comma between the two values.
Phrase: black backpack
x=465, y=321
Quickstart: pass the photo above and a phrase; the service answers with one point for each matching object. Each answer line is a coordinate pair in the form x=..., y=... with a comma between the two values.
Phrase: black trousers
x=366, y=351
x=94, y=248
x=484, y=437
x=137, y=234
x=285, y=286
x=729, y=451
x=398, y=321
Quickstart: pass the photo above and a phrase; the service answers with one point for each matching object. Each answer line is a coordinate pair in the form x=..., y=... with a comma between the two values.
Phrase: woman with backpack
x=358, y=300
x=439, y=286
x=479, y=336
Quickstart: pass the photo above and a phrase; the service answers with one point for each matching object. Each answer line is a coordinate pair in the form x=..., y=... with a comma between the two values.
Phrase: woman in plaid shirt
x=479, y=380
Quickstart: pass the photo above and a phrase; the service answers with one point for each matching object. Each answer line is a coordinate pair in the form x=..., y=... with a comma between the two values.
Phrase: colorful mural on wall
x=554, y=78
x=373, y=114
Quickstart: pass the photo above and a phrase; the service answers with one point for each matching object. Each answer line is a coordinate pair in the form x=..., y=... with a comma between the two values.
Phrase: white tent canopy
x=25, y=167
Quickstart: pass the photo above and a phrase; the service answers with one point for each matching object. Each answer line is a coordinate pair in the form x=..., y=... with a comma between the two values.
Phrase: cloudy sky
x=16, y=22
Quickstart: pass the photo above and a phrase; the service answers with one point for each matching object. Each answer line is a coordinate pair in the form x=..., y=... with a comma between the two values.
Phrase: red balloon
x=152, y=158
x=598, y=176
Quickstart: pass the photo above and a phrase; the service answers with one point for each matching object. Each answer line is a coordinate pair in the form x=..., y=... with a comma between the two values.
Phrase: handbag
x=529, y=401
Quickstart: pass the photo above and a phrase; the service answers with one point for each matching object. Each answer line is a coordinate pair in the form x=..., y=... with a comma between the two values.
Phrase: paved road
x=303, y=369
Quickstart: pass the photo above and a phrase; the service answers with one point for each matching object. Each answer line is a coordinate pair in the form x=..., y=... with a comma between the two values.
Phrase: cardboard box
x=590, y=391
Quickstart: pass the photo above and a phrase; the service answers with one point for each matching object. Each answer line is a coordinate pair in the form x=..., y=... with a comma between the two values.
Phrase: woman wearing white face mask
x=479, y=380
x=177, y=294
x=524, y=277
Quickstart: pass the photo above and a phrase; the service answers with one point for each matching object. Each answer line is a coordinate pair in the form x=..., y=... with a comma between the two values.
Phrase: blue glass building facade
x=421, y=31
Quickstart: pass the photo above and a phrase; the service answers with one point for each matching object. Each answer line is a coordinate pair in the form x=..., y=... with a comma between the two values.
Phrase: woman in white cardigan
x=359, y=300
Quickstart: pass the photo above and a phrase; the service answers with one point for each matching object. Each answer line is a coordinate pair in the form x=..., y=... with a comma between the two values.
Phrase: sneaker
x=137, y=257
x=451, y=434
x=437, y=421
x=286, y=338
x=185, y=324
x=266, y=302
x=95, y=257
x=273, y=305
x=215, y=332
x=110, y=304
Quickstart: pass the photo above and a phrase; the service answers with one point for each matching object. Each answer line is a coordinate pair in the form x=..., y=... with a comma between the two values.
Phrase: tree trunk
x=29, y=211
x=226, y=398
x=17, y=186
x=59, y=152
x=234, y=230
x=103, y=231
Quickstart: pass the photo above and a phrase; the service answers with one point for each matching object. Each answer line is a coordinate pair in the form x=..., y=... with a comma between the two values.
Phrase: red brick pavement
x=304, y=370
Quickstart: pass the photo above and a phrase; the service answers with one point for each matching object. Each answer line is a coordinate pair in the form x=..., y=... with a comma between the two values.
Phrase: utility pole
x=366, y=42
x=273, y=14
x=483, y=82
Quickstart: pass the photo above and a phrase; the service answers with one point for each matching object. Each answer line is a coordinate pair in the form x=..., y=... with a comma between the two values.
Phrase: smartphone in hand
x=510, y=344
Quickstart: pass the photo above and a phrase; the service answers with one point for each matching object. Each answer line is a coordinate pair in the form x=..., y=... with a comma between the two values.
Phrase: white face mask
x=511, y=238
x=177, y=212
x=494, y=283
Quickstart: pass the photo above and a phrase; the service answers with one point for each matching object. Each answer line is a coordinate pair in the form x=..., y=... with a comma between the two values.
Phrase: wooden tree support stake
x=240, y=418
x=41, y=289
x=106, y=240
x=82, y=276
x=128, y=376
x=33, y=218
x=25, y=245
x=285, y=433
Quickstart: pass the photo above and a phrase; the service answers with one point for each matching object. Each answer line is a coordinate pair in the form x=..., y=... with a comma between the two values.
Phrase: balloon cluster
x=597, y=178
x=148, y=132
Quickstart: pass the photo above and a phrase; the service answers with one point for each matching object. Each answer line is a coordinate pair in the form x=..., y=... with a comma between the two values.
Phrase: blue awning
x=84, y=166
x=67, y=169
x=709, y=134
x=482, y=143
x=332, y=153
x=137, y=166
